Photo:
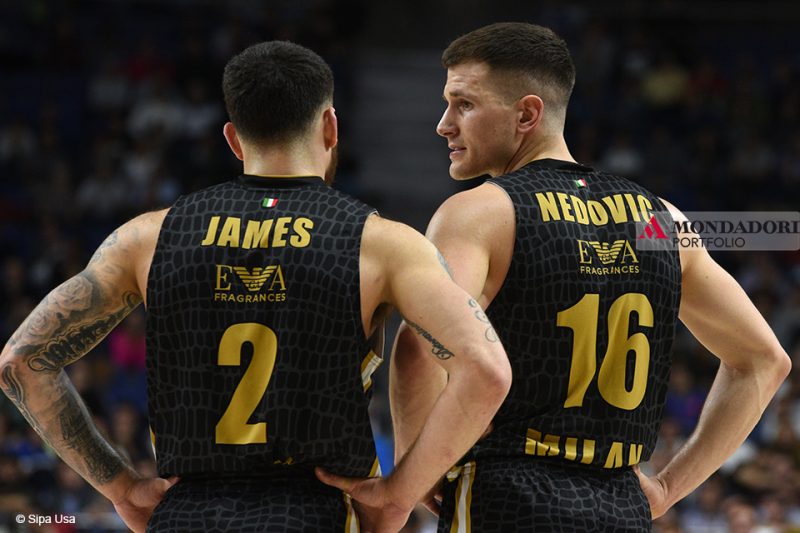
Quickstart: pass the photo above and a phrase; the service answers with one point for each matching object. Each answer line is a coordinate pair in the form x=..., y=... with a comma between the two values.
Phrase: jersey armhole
x=363, y=340
x=514, y=249
x=157, y=249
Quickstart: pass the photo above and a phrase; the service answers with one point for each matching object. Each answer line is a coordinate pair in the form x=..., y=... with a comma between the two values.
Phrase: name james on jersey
x=259, y=233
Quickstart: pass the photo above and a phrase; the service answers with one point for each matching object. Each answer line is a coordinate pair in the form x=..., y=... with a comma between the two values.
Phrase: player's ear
x=229, y=130
x=330, y=128
x=531, y=109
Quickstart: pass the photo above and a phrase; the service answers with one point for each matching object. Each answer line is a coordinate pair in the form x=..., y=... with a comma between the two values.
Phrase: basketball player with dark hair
x=548, y=247
x=262, y=294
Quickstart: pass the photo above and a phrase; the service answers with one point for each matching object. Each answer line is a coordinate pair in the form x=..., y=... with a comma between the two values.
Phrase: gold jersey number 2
x=582, y=318
x=233, y=427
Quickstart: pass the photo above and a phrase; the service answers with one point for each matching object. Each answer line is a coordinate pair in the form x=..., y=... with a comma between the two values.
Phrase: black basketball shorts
x=267, y=505
x=527, y=495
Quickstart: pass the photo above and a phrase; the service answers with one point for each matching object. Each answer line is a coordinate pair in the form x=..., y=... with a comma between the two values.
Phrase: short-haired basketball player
x=262, y=293
x=548, y=247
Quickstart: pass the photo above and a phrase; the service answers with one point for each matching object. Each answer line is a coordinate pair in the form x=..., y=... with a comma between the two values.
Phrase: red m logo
x=653, y=230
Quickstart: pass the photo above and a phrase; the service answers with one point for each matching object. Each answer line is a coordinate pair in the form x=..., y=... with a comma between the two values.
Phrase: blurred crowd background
x=110, y=108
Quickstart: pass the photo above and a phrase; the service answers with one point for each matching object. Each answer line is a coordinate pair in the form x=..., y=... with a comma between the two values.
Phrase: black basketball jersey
x=587, y=319
x=257, y=360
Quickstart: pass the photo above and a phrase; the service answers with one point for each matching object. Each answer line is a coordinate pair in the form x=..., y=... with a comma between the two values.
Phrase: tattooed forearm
x=64, y=424
x=490, y=333
x=69, y=322
x=438, y=350
x=13, y=389
x=78, y=434
x=443, y=261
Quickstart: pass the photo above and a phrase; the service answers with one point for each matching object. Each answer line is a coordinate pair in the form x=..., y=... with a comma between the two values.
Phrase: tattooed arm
x=474, y=231
x=66, y=325
x=404, y=265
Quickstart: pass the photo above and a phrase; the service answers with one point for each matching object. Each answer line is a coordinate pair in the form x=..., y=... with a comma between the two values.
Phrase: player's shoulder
x=475, y=211
x=676, y=213
x=145, y=223
x=140, y=232
x=383, y=233
x=391, y=243
x=485, y=196
x=150, y=218
x=127, y=251
x=690, y=255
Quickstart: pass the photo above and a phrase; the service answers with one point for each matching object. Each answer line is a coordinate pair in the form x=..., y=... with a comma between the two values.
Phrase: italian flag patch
x=580, y=183
x=269, y=202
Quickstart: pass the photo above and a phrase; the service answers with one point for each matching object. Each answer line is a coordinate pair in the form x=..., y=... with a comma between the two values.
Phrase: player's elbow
x=9, y=362
x=8, y=356
x=764, y=359
x=771, y=366
x=490, y=372
x=499, y=381
x=781, y=364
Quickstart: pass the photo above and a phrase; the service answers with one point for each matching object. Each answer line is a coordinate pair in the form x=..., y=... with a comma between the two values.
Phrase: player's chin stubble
x=460, y=172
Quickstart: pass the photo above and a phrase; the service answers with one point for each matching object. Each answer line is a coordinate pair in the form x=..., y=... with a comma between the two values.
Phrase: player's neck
x=542, y=148
x=282, y=162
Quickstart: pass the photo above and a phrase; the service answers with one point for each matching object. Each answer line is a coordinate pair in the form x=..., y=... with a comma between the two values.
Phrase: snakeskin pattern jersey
x=586, y=317
x=253, y=506
x=527, y=495
x=256, y=349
